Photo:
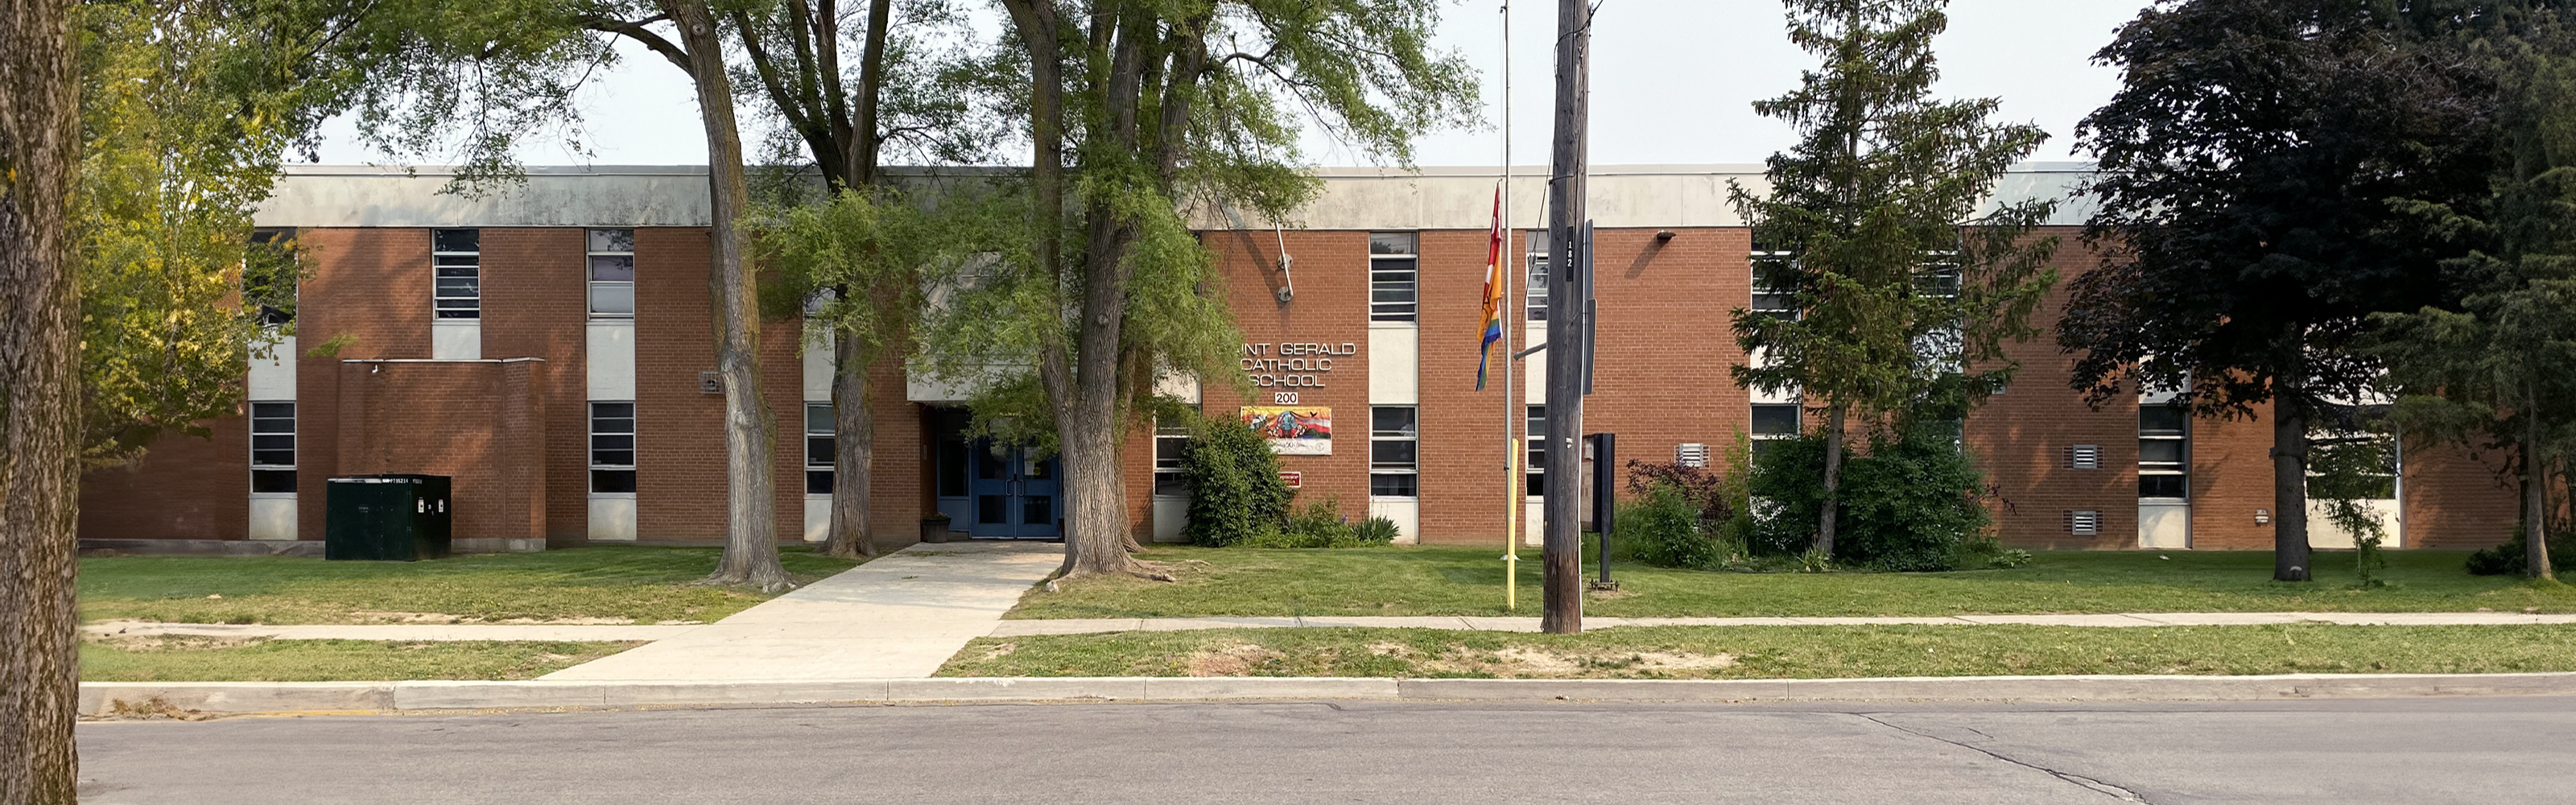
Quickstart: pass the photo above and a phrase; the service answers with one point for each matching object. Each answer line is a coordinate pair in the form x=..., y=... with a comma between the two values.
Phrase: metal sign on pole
x=1562, y=537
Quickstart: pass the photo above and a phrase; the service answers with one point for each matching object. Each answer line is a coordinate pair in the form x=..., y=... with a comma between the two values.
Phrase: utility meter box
x=401, y=518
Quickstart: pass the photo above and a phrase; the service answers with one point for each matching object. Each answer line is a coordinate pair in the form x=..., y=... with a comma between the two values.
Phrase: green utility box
x=400, y=518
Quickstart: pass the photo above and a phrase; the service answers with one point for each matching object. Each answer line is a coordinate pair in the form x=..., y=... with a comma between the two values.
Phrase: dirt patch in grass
x=1229, y=659
x=1785, y=652
x=1527, y=662
x=169, y=642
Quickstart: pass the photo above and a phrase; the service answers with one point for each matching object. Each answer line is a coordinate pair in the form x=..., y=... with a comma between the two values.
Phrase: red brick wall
x=536, y=305
x=2458, y=498
x=480, y=422
x=1462, y=449
x=2020, y=438
x=1662, y=380
x=1331, y=307
x=370, y=287
x=680, y=454
x=182, y=488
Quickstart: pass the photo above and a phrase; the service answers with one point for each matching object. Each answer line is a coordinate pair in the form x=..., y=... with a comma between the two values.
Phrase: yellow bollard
x=1511, y=528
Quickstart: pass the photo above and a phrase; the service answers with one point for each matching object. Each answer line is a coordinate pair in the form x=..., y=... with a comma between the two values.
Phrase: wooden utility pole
x=1563, y=535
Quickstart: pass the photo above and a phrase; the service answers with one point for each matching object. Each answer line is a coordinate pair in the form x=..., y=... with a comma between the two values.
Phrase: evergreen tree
x=1904, y=291
x=2499, y=367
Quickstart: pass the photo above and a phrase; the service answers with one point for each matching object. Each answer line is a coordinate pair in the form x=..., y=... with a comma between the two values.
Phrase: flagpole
x=1511, y=386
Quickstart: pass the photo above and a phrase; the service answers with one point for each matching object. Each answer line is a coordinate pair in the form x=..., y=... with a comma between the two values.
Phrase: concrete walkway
x=899, y=616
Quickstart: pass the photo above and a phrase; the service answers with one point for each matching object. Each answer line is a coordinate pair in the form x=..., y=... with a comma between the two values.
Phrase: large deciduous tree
x=1905, y=292
x=846, y=108
x=504, y=69
x=39, y=402
x=187, y=110
x=1134, y=108
x=2248, y=167
x=2499, y=367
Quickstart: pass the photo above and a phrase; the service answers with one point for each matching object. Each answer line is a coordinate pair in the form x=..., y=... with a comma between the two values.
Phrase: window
x=1395, y=458
x=1170, y=441
x=2343, y=436
x=1537, y=446
x=1536, y=289
x=1773, y=422
x=272, y=447
x=612, y=273
x=457, y=255
x=612, y=447
x=1392, y=261
x=1772, y=294
x=820, y=444
x=2164, y=451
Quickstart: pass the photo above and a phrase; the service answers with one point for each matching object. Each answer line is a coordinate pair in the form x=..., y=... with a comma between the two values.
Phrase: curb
x=103, y=698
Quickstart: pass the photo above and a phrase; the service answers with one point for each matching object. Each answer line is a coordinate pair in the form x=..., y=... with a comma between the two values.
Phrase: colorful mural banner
x=1293, y=430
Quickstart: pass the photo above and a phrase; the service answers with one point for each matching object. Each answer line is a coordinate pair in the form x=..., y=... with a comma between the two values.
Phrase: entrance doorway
x=1015, y=496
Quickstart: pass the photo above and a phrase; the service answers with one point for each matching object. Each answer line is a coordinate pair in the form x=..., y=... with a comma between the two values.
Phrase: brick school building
x=549, y=347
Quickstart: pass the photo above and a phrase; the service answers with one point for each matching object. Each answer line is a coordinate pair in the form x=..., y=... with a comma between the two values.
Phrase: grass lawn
x=1468, y=581
x=604, y=584
x=179, y=659
x=1779, y=652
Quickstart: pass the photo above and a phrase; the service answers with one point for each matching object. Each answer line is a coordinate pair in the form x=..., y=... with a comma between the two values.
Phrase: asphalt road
x=2488, y=751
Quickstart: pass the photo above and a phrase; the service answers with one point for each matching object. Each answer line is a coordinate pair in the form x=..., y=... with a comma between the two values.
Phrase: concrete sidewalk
x=1021, y=628
x=899, y=616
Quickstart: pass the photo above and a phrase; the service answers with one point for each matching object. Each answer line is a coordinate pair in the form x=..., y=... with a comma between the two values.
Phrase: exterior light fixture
x=2262, y=516
x=1662, y=235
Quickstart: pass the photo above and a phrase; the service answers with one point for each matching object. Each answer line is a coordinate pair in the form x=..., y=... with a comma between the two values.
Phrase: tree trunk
x=39, y=405
x=1830, y=516
x=2289, y=488
x=751, y=504
x=854, y=429
x=2535, y=497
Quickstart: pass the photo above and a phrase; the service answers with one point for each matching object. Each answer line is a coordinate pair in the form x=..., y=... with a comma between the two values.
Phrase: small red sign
x=1294, y=478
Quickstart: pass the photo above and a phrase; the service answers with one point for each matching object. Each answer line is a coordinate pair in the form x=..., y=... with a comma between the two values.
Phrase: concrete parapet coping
x=104, y=698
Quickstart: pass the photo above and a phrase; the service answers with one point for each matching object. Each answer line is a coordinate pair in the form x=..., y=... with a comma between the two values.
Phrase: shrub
x=1320, y=525
x=2514, y=556
x=1912, y=504
x=1233, y=478
x=1663, y=526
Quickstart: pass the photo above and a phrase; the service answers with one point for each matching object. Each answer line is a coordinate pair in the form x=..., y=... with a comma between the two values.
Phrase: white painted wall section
x=1171, y=515
x=612, y=517
x=611, y=354
x=456, y=340
x=2164, y=526
x=1405, y=512
x=1534, y=368
x=1395, y=364
x=273, y=378
x=818, y=517
x=272, y=516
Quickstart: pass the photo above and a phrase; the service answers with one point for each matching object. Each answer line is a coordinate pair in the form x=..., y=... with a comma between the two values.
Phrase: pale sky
x=1673, y=82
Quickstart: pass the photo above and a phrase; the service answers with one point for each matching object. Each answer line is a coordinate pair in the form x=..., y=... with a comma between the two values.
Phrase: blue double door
x=1014, y=495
